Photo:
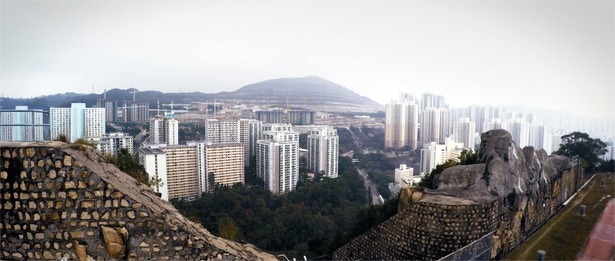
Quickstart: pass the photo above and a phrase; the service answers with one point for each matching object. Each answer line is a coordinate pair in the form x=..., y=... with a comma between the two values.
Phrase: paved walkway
x=601, y=242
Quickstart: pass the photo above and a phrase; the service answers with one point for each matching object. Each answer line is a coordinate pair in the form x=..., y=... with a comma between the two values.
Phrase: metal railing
x=480, y=249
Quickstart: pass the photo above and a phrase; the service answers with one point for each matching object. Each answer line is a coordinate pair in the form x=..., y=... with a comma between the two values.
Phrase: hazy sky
x=549, y=54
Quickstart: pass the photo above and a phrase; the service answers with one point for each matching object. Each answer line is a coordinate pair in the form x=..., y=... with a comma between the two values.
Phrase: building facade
x=277, y=160
x=401, y=123
x=250, y=132
x=432, y=155
x=323, y=151
x=223, y=164
x=22, y=124
x=112, y=143
x=154, y=160
x=434, y=125
x=76, y=122
x=164, y=130
x=182, y=171
x=222, y=131
x=463, y=131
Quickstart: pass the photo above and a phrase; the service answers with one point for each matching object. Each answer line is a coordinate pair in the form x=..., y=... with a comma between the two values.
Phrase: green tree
x=126, y=163
x=228, y=229
x=467, y=157
x=588, y=149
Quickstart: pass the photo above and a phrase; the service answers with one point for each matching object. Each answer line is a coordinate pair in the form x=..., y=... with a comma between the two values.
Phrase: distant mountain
x=311, y=92
x=308, y=92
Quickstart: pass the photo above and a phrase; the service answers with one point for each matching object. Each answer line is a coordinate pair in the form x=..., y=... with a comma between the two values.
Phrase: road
x=371, y=187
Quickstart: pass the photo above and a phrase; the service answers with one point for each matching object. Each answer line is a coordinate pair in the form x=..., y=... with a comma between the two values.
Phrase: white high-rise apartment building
x=323, y=150
x=275, y=127
x=434, y=125
x=21, y=124
x=77, y=122
x=495, y=124
x=277, y=159
x=401, y=124
x=95, y=125
x=429, y=100
x=432, y=155
x=164, y=130
x=250, y=132
x=154, y=160
x=403, y=173
x=463, y=131
x=111, y=143
x=539, y=136
x=520, y=131
x=222, y=131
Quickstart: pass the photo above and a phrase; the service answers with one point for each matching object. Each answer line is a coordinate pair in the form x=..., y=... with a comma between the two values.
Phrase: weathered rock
x=80, y=252
x=114, y=243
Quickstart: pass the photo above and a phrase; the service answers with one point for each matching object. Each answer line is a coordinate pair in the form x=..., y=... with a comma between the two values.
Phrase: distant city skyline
x=556, y=55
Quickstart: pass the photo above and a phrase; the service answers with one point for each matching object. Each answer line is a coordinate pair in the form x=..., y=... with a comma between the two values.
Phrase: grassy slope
x=565, y=234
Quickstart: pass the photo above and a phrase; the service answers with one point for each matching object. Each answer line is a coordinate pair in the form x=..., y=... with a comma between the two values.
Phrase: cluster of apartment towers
x=187, y=170
x=442, y=132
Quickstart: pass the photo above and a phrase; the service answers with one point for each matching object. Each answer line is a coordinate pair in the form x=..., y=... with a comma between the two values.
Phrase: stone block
x=68, y=160
x=87, y=204
x=85, y=215
x=69, y=185
x=114, y=243
x=80, y=252
x=77, y=234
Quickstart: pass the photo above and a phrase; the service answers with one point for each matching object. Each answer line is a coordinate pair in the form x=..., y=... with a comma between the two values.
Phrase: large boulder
x=502, y=169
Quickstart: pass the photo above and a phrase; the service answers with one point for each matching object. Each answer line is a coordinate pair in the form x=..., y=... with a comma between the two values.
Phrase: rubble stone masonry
x=59, y=200
x=431, y=226
x=510, y=191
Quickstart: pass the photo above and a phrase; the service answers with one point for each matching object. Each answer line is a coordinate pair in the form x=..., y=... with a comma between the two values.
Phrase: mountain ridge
x=309, y=92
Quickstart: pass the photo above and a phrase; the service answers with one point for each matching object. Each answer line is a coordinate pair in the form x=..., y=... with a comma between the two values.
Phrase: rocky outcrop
x=502, y=169
x=62, y=201
x=510, y=192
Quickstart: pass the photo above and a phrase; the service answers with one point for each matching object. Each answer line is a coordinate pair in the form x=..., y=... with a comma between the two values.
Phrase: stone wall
x=431, y=226
x=62, y=201
x=510, y=191
x=426, y=230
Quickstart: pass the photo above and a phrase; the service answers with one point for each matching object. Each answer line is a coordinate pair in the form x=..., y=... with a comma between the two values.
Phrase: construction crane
x=172, y=105
x=134, y=92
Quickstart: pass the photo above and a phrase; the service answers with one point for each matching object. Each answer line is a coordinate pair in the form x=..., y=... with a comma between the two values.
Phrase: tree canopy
x=588, y=149
x=312, y=220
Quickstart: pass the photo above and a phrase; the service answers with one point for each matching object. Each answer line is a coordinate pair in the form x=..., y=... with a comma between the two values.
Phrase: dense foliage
x=588, y=149
x=347, y=142
x=313, y=220
x=126, y=163
x=376, y=162
x=382, y=183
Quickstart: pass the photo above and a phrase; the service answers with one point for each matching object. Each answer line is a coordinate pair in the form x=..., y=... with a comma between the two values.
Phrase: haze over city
x=554, y=54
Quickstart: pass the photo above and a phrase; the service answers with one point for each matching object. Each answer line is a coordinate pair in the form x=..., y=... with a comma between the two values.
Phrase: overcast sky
x=549, y=54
